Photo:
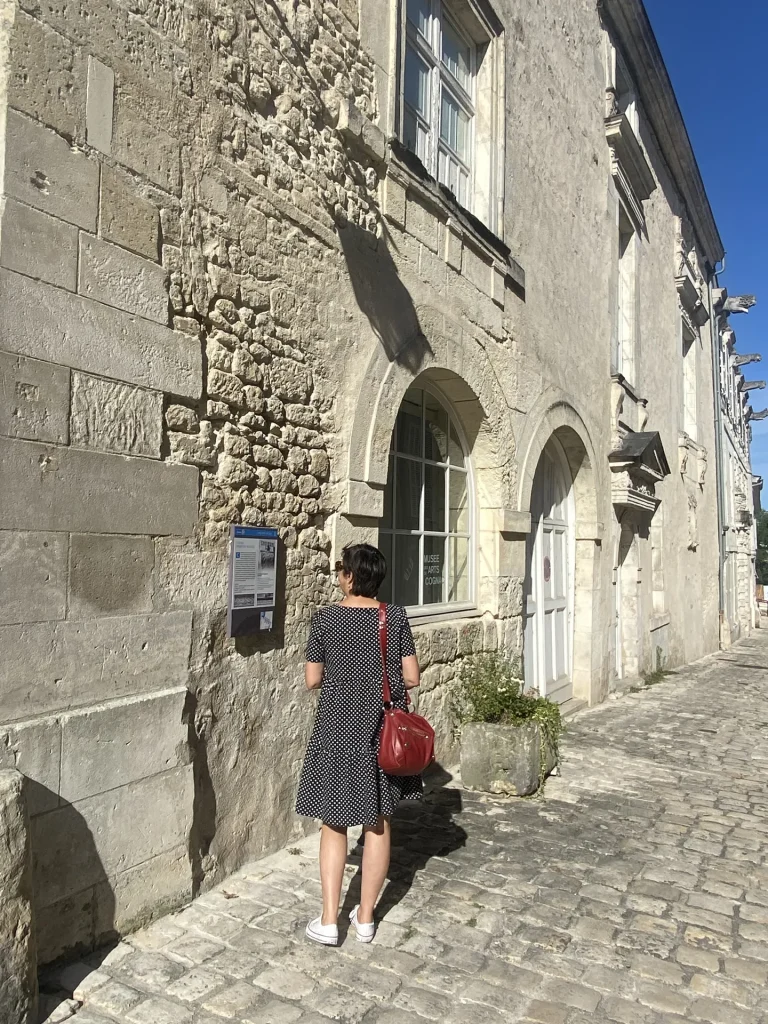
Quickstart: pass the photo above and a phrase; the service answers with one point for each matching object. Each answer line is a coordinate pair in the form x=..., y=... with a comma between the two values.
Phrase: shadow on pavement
x=420, y=831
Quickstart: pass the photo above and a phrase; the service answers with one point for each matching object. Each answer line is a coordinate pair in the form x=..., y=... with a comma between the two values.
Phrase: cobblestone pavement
x=635, y=892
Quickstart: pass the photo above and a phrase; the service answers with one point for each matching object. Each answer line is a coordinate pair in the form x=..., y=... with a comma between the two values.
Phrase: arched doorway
x=549, y=606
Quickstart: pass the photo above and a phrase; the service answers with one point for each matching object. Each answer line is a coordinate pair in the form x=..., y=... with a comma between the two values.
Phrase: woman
x=341, y=782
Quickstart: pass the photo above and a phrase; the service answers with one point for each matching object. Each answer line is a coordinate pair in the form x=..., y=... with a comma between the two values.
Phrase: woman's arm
x=313, y=674
x=411, y=674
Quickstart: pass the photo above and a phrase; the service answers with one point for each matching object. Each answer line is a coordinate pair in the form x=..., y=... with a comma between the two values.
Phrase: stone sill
x=406, y=168
x=417, y=616
x=659, y=621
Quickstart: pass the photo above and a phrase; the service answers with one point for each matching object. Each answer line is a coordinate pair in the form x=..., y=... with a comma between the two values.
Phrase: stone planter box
x=504, y=759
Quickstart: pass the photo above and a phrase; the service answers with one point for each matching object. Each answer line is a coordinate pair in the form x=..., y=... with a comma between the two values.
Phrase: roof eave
x=629, y=22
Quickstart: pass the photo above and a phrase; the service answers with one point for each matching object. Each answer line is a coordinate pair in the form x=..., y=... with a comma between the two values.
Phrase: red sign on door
x=547, y=569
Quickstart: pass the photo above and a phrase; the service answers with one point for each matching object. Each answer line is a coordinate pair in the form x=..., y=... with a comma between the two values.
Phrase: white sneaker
x=325, y=934
x=365, y=932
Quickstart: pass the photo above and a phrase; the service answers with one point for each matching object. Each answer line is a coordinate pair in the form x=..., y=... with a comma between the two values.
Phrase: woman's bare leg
x=333, y=857
x=375, y=866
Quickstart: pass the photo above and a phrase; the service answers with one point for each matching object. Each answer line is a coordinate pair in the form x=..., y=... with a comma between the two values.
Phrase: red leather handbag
x=406, y=740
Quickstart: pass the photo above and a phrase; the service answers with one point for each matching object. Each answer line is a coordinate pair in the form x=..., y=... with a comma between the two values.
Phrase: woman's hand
x=411, y=673
x=313, y=674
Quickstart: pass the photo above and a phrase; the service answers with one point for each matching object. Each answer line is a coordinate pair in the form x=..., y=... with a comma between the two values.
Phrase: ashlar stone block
x=115, y=417
x=56, y=666
x=109, y=575
x=85, y=843
x=55, y=96
x=117, y=277
x=124, y=741
x=18, y=967
x=34, y=399
x=70, y=489
x=34, y=749
x=146, y=149
x=33, y=576
x=38, y=245
x=126, y=218
x=99, y=105
x=44, y=171
x=48, y=323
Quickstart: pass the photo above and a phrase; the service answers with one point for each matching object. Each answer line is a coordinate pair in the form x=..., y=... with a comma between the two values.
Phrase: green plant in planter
x=489, y=689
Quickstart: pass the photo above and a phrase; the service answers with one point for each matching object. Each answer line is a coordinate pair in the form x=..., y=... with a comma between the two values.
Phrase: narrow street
x=635, y=892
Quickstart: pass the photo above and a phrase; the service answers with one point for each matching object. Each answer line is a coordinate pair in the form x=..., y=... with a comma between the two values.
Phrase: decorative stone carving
x=638, y=465
x=701, y=466
x=689, y=280
x=684, y=452
x=642, y=414
x=629, y=165
x=617, y=407
x=693, y=526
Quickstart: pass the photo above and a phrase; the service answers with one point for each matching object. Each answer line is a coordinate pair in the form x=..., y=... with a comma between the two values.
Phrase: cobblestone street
x=635, y=892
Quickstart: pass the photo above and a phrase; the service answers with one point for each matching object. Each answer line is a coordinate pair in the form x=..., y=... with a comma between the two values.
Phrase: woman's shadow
x=420, y=830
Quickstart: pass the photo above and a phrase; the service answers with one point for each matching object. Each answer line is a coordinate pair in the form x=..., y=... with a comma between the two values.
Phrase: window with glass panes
x=439, y=85
x=426, y=531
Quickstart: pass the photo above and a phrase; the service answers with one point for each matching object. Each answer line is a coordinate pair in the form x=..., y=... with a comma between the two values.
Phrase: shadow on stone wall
x=420, y=831
x=74, y=901
x=382, y=296
x=203, y=829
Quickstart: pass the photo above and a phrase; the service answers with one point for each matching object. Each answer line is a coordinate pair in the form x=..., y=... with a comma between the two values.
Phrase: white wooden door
x=549, y=597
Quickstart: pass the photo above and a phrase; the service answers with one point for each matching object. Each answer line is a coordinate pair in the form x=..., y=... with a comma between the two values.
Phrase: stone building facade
x=435, y=275
x=734, y=413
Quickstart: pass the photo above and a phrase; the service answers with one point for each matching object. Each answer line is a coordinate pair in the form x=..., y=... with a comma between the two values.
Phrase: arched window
x=426, y=531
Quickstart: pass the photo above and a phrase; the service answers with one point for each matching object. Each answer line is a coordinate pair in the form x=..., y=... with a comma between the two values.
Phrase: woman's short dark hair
x=367, y=566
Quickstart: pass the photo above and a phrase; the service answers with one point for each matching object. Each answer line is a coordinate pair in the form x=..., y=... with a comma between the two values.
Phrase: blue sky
x=716, y=57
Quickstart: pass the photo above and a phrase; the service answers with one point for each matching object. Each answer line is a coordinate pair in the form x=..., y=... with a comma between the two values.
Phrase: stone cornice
x=629, y=22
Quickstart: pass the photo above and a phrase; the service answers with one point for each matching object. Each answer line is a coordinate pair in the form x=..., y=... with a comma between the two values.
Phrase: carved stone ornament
x=684, y=452
x=701, y=465
x=642, y=414
x=637, y=466
x=617, y=407
x=693, y=525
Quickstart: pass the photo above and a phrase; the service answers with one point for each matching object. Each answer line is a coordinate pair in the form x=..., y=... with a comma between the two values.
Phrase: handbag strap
x=386, y=691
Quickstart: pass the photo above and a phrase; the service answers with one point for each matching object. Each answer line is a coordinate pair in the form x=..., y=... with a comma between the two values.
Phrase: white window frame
x=445, y=609
x=430, y=50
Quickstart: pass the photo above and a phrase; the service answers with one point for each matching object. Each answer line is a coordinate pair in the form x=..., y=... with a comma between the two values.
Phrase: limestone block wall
x=94, y=668
x=18, y=974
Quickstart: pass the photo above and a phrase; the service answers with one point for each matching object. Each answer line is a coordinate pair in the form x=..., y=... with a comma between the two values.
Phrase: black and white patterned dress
x=341, y=782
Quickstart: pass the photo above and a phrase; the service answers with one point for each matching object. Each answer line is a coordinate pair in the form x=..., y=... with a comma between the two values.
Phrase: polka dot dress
x=341, y=782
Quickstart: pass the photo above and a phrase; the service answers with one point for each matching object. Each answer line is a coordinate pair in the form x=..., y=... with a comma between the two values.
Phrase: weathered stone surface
x=43, y=171
x=503, y=759
x=18, y=964
x=125, y=218
x=45, y=488
x=109, y=575
x=47, y=323
x=114, y=744
x=82, y=844
x=55, y=666
x=38, y=245
x=100, y=101
x=57, y=98
x=115, y=417
x=142, y=892
x=117, y=277
x=34, y=399
x=33, y=576
x=34, y=748
x=146, y=149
